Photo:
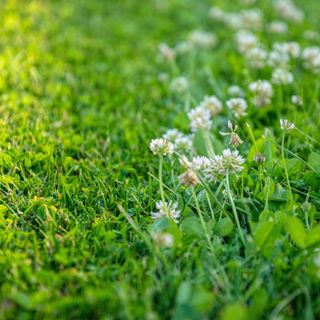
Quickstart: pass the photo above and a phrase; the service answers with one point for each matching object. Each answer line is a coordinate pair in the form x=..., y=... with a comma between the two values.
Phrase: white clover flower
x=288, y=10
x=179, y=84
x=213, y=104
x=163, y=77
x=198, y=165
x=233, y=20
x=291, y=48
x=238, y=106
x=179, y=140
x=251, y=19
x=235, y=91
x=245, y=40
x=286, y=125
x=230, y=161
x=311, y=58
x=263, y=92
x=282, y=76
x=256, y=57
x=163, y=239
x=311, y=35
x=278, y=27
x=166, y=52
x=161, y=147
x=202, y=39
x=183, y=47
x=216, y=13
x=172, y=134
x=297, y=100
x=166, y=209
x=184, y=143
x=200, y=118
x=217, y=166
x=278, y=58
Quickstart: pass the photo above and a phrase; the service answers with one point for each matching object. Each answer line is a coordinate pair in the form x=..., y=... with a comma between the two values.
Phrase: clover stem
x=285, y=165
x=234, y=210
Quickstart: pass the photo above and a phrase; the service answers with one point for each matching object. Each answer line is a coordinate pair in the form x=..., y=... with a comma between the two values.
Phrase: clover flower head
x=166, y=52
x=179, y=84
x=286, y=125
x=184, y=143
x=311, y=58
x=288, y=10
x=216, y=13
x=245, y=40
x=278, y=58
x=297, y=100
x=200, y=118
x=199, y=165
x=282, y=76
x=256, y=57
x=161, y=147
x=263, y=92
x=183, y=47
x=291, y=48
x=178, y=139
x=311, y=35
x=217, y=166
x=172, y=134
x=202, y=39
x=232, y=160
x=212, y=103
x=278, y=27
x=259, y=158
x=238, y=106
x=233, y=20
x=163, y=239
x=235, y=91
x=251, y=19
x=166, y=209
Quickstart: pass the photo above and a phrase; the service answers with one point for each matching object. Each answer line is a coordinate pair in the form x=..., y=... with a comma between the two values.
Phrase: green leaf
x=234, y=311
x=280, y=194
x=192, y=228
x=265, y=237
x=296, y=231
x=223, y=227
x=294, y=166
x=314, y=161
x=313, y=236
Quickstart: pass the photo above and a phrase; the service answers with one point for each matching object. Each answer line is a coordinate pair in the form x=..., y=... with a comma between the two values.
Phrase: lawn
x=160, y=159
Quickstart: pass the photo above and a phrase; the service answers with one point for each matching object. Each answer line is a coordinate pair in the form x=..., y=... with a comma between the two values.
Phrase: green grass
x=80, y=99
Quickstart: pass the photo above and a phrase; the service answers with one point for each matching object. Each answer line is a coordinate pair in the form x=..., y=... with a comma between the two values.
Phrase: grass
x=80, y=99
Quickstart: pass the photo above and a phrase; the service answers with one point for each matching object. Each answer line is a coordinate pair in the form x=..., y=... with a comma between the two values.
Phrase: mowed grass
x=80, y=99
